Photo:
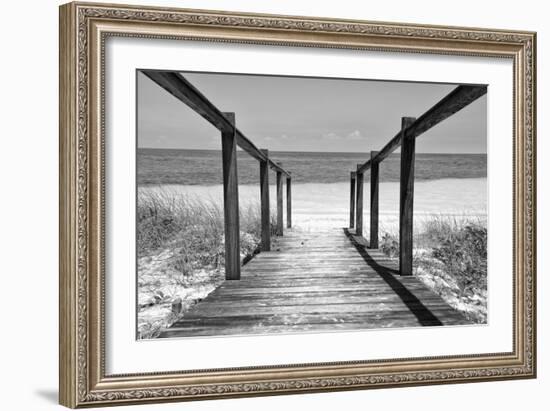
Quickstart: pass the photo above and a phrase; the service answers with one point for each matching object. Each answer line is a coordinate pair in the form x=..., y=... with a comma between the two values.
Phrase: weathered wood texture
x=359, y=203
x=374, y=180
x=406, y=197
x=352, y=200
x=453, y=102
x=177, y=85
x=231, y=202
x=315, y=281
x=289, y=202
x=279, y=182
x=265, y=218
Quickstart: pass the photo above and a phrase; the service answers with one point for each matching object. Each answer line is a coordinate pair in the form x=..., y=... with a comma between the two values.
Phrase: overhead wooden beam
x=453, y=102
x=183, y=90
x=178, y=86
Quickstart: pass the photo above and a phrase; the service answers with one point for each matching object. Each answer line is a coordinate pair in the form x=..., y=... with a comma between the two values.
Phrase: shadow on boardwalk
x=315, y=281
x=423, y=314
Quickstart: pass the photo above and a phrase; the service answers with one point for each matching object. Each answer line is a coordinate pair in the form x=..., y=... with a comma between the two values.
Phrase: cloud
x=355, y=135
x=332, y=136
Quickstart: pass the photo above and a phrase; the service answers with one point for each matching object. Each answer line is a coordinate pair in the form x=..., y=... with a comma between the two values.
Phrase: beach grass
x=450, y=257
x=180, y=251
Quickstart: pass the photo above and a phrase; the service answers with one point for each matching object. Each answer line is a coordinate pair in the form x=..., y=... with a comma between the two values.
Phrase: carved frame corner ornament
x=83, y=30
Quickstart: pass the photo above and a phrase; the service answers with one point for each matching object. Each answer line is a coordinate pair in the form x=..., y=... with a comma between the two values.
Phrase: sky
x=307, y=114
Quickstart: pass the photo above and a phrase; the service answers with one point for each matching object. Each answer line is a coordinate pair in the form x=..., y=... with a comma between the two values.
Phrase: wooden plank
x=299, y=301
x=231, y=202
x=309, y=258
x=234, y=310
x=252, y=323
x=406, y=197
x=352, y=200
x=319, y=263
x=329, y=271
x=361, y=280
x=279, y=182
x=313, y=297
x=345, y=255
x=453, y=102
x=366, y=319
x=350, y=262
x=374, y=180
x=288, y=202
x=271, y=328
x=357, y=267
x=265, y=244
x=359, y=203
x=178, y=86
x=304, y=288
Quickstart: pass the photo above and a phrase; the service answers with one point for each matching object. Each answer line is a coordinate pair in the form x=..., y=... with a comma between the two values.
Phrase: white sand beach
x=320, y=206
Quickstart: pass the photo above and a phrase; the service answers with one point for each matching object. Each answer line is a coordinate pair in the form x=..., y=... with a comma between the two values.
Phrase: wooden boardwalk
x=318, y=281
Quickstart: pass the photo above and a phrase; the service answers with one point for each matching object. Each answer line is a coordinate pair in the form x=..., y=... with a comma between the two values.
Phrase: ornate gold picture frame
x=84, y=30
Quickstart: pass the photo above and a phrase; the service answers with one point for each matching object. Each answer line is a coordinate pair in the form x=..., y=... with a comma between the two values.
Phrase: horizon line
x=295, y=151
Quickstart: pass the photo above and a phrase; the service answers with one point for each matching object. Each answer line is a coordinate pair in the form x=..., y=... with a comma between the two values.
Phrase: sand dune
x=327, y=205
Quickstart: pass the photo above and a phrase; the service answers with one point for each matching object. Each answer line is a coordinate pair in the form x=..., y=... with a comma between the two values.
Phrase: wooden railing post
x=359, y=202
x=265, y=244
x=406, y=199
x=374, y=180
x=279, y=202
x=288, y=202
x=352, y=200
x=231, y=202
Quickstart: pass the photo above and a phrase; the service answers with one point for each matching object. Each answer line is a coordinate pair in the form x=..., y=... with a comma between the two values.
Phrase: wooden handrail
x=177, y=85
x=453, y=102
x=411, y=128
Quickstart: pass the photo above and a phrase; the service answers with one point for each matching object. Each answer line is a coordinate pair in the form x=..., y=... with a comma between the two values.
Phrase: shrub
x=389, y=244
x=464, y=253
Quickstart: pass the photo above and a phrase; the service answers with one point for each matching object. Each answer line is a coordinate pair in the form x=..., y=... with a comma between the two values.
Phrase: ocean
x=203, y=167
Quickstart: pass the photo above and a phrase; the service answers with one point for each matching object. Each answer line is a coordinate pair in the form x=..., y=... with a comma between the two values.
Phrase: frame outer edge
x=68, y=325
x=77, y=389
x=534, y=201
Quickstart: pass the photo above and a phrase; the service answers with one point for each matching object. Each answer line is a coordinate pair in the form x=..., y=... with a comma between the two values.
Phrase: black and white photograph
x=272, y=204
x=263, y=202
